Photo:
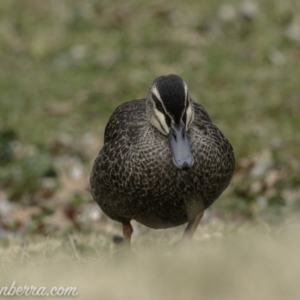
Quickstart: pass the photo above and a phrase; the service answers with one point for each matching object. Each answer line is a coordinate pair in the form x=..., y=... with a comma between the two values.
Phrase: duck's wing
x=123, y=116
x=200, y=113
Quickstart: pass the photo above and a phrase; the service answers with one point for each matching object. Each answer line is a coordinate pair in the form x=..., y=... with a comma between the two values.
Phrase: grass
x=66, y=65
x=223, y=261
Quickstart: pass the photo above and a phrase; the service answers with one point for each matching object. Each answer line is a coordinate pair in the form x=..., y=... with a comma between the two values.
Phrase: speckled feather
x=133, y=176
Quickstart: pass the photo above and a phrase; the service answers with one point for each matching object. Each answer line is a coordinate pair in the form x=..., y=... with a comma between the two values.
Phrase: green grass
x=96, y=56
x=66, y=65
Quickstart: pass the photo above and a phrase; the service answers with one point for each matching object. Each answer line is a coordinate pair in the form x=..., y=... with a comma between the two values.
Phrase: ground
x=222, y=262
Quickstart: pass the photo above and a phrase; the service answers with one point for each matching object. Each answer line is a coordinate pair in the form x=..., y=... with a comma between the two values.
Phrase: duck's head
x=170, y=110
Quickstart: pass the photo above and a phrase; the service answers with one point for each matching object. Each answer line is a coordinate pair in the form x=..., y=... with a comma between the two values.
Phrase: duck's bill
x=180, y=147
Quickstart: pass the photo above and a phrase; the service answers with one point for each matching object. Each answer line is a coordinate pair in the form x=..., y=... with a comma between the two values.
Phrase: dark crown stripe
x=172, y=92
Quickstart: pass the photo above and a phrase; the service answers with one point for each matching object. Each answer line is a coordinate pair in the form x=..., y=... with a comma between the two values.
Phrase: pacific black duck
x=163, y=161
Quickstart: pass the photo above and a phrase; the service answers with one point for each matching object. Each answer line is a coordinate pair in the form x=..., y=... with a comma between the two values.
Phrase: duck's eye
x=159, y=106
x=157, y=103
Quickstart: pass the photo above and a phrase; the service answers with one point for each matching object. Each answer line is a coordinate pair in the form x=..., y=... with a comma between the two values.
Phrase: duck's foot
x=127, y=232
x=190, y=229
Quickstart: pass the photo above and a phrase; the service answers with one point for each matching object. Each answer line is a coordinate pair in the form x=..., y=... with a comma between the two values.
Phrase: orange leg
x=191, y=227
x=127, y=232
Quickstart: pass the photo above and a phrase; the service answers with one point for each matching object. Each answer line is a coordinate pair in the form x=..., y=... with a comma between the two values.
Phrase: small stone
x=262, y=164
x=78, y=52
x=76, y=171
x=249, y=10
x=277, y=58
x=5, y=205
x=227, y=13
x=117, y=239
x=292, y=32
x=262, y=202
x=95, y=215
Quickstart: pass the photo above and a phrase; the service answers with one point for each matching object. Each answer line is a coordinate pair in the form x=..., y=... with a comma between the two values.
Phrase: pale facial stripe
x=157, y=94
x=189, y=116
x=161, y=121
x=188, y=108
x=158, y=119
x=185, y=99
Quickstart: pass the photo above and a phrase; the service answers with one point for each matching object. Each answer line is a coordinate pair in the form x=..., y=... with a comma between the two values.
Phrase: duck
x=163, y=161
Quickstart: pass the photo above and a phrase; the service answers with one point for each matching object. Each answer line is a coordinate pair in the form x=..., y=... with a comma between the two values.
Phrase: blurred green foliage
x=65, y=66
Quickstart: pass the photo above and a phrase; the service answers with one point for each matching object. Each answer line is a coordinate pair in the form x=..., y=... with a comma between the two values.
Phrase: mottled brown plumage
x=134, y=177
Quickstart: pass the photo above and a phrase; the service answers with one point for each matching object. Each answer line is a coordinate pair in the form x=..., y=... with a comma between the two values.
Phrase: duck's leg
x=127, y=232
x=191, y=227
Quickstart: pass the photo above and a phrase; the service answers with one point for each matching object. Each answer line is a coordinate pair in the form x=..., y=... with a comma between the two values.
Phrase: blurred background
x=66, y=65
